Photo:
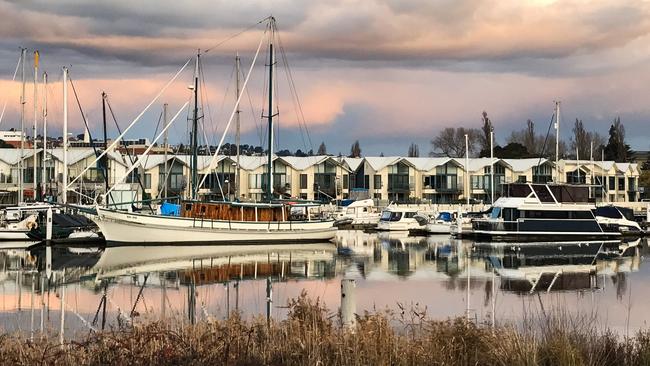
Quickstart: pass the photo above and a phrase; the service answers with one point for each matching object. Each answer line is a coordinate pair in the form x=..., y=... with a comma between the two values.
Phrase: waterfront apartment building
x=323, y=178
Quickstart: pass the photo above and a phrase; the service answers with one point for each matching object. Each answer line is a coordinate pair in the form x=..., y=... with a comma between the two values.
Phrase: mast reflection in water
x=450, y=277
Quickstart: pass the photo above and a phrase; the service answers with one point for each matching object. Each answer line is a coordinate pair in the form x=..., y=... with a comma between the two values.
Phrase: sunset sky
x=385, y=72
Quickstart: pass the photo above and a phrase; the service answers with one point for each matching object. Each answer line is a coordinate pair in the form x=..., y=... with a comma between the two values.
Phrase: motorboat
x=616, y=218
x=358, y=214
x=397, y=218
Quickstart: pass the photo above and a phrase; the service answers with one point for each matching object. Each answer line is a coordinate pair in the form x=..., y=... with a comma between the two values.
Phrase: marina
x=183, y=194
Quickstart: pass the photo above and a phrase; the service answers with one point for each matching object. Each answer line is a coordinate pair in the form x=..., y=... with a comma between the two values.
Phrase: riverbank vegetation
x=313, y=335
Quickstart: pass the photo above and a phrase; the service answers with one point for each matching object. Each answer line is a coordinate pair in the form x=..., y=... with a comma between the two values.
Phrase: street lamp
x=227, y=188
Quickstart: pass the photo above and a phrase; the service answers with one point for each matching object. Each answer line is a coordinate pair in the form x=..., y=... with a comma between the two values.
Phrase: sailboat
x=221, y=222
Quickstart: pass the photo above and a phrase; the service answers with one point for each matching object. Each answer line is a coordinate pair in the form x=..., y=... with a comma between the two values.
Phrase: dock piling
x=348, y=302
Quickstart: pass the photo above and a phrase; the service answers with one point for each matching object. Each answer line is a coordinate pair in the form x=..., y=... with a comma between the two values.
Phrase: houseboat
x=554, y=212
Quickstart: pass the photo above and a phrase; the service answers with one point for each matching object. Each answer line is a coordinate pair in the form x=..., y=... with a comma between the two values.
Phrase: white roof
x=353, y=163
x=76, y=154
x=475, y=164
x=12, y=156
x=522, y=165
x=302, y=163
x=426, y=164
x=379, y=162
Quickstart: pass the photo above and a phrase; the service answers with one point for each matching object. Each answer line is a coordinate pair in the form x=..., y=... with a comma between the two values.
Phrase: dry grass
x=312, y=335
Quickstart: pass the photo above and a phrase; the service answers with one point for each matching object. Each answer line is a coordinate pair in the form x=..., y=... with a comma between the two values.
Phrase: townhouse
x=323, y=178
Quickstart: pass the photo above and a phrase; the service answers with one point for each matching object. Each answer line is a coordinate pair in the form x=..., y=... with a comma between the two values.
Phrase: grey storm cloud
x=383, y=32
x=373, y=62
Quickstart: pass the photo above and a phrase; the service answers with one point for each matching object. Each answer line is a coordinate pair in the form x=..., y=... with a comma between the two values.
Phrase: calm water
x=448, y=277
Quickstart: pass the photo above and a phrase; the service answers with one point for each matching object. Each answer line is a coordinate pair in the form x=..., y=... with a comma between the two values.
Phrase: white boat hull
x=14, y=235
x=438, y=228
x=128, y=228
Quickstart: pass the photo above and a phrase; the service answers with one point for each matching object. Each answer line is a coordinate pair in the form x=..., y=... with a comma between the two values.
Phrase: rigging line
x=90, y=136
x=294, y=90
x=205, y=100
x=127, y=154
x=117, y=140
x=258, y=125
x=223, y=136
x=210, y=172
x=154, y=133
x=139, y=161
x=236, y=34
x=4, y=106
x=545, y=140
x=223, y=103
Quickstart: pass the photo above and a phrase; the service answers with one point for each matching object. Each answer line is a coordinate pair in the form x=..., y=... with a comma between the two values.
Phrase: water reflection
x=451, y=277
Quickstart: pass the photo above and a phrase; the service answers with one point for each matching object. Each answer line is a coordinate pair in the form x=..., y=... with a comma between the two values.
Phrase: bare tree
x=451, y=141
x=582, y=141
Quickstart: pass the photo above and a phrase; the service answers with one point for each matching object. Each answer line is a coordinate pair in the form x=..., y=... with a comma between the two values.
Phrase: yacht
x=395, y=218
x=270, y=222
x=620, y=219
x=529, y=211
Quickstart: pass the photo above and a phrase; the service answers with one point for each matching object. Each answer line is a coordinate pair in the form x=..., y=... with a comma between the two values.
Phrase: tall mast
x=269, y=165
x=105, y=165
x=166, y=146
x=44, y=170
x=65, y=136
x=35, y=160
x=238, y=134
x=21, y=174
x=557, y=142
x=195, y=130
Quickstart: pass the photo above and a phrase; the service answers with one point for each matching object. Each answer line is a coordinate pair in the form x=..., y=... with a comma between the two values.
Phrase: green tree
x=355, y=150
x=616, y=148
x=414, y=150
x=322, y=149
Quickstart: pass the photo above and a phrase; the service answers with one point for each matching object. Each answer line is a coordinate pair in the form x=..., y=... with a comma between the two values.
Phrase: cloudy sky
x=386, y=72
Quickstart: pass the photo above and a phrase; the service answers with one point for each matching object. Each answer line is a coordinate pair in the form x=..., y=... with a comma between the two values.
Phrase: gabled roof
x=522, y=165
x=353, y=163
x=302, y=163
x=426, y=163
x=76, y=154
x=12, y=156
x=379, y=162
x=475, y=164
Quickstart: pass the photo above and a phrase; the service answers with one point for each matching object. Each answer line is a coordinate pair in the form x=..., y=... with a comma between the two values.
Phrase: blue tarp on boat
x=170, y=209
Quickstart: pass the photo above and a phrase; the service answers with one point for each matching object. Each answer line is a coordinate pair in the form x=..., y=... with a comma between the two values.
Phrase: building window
x=345, y=181
x=522, y=179
x=255, y=181
x=611, y=183
x=621, y=183
x=303, y=181
x=377, y=181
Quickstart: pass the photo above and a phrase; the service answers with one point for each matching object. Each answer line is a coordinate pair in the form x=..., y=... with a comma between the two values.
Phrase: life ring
x=32, y=225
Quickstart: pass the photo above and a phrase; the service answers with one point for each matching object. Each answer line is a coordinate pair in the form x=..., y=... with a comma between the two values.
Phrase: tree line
x=529, y=143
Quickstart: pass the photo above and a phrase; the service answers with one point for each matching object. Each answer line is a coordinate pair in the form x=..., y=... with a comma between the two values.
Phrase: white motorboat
x=618, y=219
x=396, y=218
x=19, y=230
x=362, y=213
